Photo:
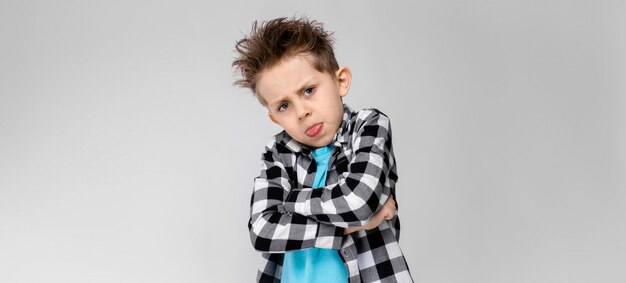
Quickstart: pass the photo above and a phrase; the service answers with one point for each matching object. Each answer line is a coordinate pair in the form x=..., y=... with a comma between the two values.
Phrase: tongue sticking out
x=314, y=130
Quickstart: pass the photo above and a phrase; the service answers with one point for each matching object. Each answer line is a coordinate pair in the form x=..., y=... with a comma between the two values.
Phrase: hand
x=386, y=212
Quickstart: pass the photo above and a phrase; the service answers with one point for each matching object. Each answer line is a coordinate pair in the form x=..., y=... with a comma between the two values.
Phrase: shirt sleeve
x=363, y=188
x=274, y=230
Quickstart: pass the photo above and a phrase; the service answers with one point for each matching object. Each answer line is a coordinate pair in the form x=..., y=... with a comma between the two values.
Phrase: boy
x=322, y=208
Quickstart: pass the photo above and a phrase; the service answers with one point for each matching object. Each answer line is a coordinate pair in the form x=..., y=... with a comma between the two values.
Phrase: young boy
x=322, y=208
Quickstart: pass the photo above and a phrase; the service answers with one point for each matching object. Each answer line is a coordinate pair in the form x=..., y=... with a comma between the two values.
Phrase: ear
x=273, y=118
x=344, y=78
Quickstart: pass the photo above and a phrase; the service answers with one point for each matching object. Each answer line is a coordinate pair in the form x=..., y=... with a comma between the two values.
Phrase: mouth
x=314, y=130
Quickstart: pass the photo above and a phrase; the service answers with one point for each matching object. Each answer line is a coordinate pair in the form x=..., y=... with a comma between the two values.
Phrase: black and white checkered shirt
x=287, y=214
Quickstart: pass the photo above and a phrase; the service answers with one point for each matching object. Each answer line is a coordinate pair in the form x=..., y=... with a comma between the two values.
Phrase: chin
x=321, y=143
x=314, y=144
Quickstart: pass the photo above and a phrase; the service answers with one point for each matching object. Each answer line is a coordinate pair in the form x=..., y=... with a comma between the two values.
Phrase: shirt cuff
x=328, y=237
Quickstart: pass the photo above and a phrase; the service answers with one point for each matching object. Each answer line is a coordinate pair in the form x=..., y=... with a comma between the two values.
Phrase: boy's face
x=307, y=103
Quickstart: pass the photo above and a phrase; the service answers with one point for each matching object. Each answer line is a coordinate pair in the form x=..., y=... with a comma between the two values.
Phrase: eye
x=308, y=91
x=283, y=106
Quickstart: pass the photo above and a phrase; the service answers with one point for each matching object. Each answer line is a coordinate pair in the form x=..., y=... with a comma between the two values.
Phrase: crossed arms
x=283, y=218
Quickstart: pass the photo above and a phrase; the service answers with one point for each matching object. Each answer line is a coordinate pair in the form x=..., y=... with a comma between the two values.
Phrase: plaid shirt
x=287, y=214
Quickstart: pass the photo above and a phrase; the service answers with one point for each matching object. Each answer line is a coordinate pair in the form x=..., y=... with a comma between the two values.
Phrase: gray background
x=127, y=156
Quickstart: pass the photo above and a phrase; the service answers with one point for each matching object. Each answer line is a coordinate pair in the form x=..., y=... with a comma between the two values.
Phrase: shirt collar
x=340, y=138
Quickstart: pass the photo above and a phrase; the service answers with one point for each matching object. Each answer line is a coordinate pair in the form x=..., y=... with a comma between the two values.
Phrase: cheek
x=291, y=128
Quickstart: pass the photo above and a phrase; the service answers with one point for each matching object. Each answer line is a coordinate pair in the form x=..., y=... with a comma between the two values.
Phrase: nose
x=303, y=110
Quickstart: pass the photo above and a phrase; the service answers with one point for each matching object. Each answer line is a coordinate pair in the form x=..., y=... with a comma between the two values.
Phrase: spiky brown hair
x=273, y=40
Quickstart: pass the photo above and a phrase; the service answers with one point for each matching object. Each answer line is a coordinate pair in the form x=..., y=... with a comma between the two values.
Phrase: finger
x=390, y=203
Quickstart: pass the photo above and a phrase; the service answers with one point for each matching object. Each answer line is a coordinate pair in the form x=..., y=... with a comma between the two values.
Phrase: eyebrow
x=307, y=83
x=277, y=101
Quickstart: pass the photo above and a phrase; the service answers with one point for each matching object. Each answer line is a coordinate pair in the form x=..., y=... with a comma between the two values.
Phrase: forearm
x=362, y=189
x=340, y=205
x=274, y=230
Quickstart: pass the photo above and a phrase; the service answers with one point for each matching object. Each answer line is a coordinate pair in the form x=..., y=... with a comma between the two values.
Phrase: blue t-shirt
x=315, y=265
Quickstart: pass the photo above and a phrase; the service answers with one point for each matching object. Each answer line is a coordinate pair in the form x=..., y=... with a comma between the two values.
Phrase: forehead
x=287, y=76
